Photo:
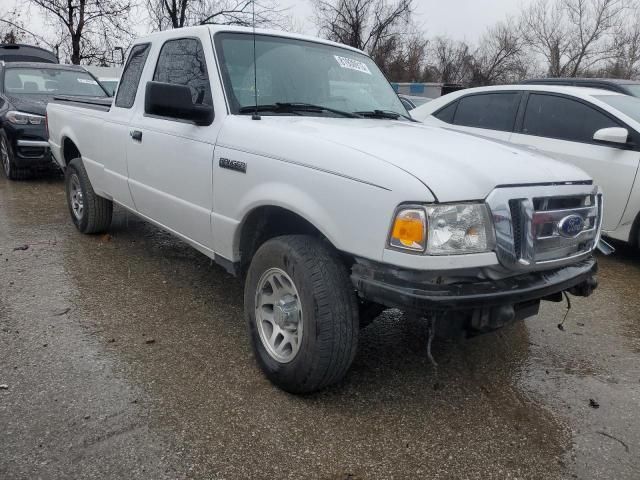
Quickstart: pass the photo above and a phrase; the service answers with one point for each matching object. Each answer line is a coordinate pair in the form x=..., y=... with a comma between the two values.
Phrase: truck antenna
x=255, y=115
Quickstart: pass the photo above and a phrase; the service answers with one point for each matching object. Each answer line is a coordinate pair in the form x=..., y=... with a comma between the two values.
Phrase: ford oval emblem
x=571, y=226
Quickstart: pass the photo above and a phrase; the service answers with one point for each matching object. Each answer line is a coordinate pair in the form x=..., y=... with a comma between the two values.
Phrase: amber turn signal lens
x=409, y=229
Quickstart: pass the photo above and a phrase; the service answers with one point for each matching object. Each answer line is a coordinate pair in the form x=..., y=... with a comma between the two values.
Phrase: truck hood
x=455, y=166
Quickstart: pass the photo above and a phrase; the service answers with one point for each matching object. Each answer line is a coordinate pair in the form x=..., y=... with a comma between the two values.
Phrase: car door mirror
x=616, y=135
x=175, y=101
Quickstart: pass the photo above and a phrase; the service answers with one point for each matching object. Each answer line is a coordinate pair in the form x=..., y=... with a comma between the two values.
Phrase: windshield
x=50, y=81
x=110, y=86
x=634, y=89
x=626, y=104
x=291, y=71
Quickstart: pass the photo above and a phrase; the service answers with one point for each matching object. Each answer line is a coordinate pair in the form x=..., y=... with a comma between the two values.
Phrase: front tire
x=302, y=313
x=90, y=213
x=7, y=159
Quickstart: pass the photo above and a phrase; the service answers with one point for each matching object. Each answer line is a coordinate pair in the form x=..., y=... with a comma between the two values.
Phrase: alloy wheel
x=76, y=198
x=279, y=315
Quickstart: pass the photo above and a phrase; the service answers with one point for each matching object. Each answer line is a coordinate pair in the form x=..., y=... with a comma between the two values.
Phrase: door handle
x=136, y=135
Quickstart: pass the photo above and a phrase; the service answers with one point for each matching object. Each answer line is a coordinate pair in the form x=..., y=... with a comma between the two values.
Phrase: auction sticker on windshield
x=352, y=64
x=87, y=81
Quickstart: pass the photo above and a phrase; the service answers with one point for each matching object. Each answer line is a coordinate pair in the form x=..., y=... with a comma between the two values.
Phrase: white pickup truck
x=307, y=178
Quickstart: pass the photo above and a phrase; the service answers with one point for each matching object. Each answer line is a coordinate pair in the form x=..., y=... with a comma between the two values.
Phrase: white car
x=596, y=130
x=321, y=192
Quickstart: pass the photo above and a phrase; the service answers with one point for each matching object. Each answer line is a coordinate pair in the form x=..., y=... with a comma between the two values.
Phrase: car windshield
x=291, y=71
x=634, y=89
x=626, y=104
x=50, y=81
x=110, y=86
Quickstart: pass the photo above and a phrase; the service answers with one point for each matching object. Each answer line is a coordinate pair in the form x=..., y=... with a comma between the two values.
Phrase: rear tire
x=90, y=213
x=320, y=313
x=7, y=158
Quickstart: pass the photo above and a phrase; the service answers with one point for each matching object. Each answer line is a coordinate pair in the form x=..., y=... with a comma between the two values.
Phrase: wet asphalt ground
x=125, y=357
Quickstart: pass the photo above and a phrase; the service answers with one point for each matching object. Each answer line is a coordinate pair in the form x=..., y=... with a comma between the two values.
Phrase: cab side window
x=182, y=62
x=492, y=111
x=126, y=95
x=563, y=118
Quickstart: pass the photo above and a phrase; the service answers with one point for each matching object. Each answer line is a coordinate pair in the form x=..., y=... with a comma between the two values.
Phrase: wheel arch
x=265, y=222
x=69, y=150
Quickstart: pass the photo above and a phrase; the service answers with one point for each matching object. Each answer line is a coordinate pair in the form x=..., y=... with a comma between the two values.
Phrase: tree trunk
x=75, y=50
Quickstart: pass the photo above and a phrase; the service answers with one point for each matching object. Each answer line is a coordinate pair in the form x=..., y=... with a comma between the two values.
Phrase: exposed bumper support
x=401, y=288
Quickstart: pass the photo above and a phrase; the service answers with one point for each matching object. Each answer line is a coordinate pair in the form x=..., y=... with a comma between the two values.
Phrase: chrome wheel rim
x=279, y=315
x=4, y=154
x=75, y=197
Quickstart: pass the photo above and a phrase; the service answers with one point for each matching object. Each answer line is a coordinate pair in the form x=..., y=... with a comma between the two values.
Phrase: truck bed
x=95, y=103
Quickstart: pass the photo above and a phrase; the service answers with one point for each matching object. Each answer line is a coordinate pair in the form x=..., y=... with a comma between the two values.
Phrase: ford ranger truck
x=302, y=173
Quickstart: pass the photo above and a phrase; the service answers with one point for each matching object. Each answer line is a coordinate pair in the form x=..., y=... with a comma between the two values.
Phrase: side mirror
x=174, y=101
x=616, y=135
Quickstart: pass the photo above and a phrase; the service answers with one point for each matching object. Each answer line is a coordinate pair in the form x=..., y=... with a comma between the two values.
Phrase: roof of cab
x=214, y=29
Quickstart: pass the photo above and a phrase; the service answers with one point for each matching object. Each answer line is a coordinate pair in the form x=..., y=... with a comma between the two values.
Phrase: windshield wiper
x=293, y=107
x=390, y=114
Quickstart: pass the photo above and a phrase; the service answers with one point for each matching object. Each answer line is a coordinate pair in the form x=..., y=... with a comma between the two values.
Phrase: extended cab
x=302, y=172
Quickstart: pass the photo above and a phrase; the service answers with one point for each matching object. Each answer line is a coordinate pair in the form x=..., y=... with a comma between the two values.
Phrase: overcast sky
x=460, y=19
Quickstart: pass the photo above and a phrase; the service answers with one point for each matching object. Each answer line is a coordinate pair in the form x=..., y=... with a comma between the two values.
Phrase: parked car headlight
x=443, y=229
x=22, y=118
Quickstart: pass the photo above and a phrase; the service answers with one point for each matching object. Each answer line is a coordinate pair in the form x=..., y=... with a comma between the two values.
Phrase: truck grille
x=537, y=227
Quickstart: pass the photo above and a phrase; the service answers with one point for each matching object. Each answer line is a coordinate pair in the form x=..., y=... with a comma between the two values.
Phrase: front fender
x=353, y=215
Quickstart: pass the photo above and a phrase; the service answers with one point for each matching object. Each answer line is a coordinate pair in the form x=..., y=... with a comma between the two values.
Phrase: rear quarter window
x=126, y=95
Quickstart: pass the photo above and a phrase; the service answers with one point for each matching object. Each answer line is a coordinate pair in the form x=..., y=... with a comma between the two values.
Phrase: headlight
x=21, y=118
x=455, y=229
x=443, y=229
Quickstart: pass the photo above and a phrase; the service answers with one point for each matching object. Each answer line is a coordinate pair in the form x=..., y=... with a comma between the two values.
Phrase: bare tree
x=87, y=30
x=363, y=24
x=499, y=56
x=626, y=62
x=402, y=59
x=166, y=14
x=448, y=61
x=572, y=35
x=12, y=28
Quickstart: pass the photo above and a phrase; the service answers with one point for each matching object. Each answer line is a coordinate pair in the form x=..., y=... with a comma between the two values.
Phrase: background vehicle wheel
x=302, y=313
x=11, y=171
x=90, y=213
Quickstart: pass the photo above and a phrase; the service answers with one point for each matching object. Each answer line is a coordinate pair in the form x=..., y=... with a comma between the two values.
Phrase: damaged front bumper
x=419, y=292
